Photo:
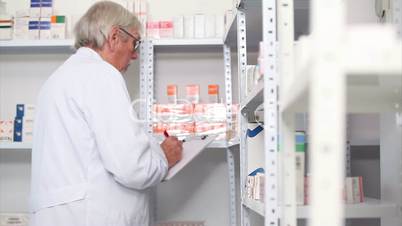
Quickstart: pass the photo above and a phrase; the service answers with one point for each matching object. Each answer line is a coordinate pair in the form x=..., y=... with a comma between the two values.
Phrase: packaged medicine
x=34, y=10
x=219, y=26
x=199, y=26
x=14, y=219
x=189, y=26
x=33, y=29
x=6, y=28
x=46, y=8
x=166, y=29
x=178, y=27
x=193, y=93
x=44, y=28
x=6, y=130
x=58, y=27
x=21, y=30
x=213, y=93
x=210, y=31
x=172, y=94
x=153, y=29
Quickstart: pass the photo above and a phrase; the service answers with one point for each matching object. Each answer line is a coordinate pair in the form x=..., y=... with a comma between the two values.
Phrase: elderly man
x=91, y=162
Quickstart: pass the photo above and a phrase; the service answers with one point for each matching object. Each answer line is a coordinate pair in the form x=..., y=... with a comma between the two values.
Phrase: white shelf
x=253, y=99
x=36, y=43
x=21, y=145
x=255, y=206
x=371, y=208
x=373, y=74
x=15, y=145
x=223, y=144
x=188, y=42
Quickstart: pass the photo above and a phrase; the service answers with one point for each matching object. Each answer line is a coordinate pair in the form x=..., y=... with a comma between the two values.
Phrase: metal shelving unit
x=366, y=69
x=345, y=72
x=147, y=93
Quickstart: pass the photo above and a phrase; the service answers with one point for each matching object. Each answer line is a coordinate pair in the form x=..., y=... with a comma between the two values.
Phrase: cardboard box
x=199, y=26
x=193, y=93
x=58, y=27
x=6, y=130
x=189, y=26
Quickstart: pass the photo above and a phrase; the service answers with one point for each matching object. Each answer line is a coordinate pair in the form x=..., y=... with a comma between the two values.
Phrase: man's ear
x=113, y=38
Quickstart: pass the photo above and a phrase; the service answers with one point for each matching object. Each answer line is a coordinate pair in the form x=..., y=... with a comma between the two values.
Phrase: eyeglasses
x=136, y=41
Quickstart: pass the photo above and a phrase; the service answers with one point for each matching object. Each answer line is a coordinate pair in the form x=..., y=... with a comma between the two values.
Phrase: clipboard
x=191, y=148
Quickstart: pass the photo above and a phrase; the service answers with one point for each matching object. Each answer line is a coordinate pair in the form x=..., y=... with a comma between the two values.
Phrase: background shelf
x=16, y=145
x=371, y=208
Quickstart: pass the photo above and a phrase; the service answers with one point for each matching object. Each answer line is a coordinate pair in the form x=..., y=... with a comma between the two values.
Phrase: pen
x=166, y=134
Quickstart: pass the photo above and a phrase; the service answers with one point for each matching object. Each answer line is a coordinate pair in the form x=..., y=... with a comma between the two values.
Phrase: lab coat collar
x=86, y=51
x=91, y=53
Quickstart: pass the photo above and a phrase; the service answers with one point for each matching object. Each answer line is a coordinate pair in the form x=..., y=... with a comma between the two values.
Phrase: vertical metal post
x=287, y=131
x=147, y=94
x=229, y=125
x=327, y=107
x=143, y=79
x=270, y=113
x=348, y=158
x=242, y=51
x=397, y=16
x=242, y=65
x=232, y=187
x=391, y=165
x=150, y=84
x=228, y=88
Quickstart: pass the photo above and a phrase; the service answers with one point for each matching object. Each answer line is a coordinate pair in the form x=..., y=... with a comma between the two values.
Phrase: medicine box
x=46, y=8
x=44, y=28
x=35, y=7
x=33, y=27
x=172, y=94
x=6, y=130
x=193, y=93
x=178, y=27
x=166, y=29
x=199, y=26
x=189, y=26
x=58, y=27
x=21, y=25
x=6, y=28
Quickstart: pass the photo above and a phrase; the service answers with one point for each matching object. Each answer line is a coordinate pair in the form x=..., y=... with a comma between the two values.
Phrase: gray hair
x=93, y=27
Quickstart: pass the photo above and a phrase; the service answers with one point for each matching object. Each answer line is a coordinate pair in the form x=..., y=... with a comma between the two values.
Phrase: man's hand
x=173, y=149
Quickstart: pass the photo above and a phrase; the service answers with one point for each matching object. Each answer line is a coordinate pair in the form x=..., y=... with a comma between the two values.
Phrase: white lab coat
x=91, y=163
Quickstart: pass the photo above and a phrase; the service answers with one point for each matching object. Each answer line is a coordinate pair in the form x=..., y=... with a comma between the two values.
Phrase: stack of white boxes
x=354, y=190
x=21, y=25
x=192, y=26
x=255, y=186
x=38, y=22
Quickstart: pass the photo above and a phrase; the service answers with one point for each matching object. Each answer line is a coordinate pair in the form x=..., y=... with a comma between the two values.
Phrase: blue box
x=17, y=136
x=18, y=124
x=20, y=111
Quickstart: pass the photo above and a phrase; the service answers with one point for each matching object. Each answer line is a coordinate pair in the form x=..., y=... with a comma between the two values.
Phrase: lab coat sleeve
x=133, y=158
